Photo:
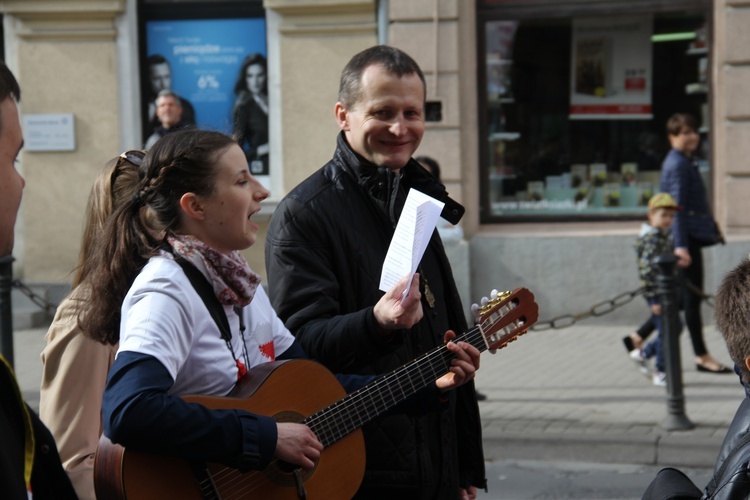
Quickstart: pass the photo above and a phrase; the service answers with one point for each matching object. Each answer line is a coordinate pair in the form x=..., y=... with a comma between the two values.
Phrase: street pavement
x=564, y=395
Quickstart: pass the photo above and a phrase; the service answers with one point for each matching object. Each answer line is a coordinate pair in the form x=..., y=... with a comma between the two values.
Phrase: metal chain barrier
x=607, y=306
x=37, y=299
x=557, y=323
x=600, y=309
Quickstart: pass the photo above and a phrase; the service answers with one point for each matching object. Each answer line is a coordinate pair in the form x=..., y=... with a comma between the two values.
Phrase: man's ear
x=747, y=362
x=192, y=206
x=342, y=116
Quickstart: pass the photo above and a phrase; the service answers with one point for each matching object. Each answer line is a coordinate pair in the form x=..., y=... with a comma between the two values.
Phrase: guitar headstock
x=506, y=316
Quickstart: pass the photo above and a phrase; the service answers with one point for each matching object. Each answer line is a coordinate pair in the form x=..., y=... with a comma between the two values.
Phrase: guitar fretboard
x=365, y=404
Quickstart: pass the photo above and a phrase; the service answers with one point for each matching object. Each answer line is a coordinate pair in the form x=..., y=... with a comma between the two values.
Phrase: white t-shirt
x=163, y=316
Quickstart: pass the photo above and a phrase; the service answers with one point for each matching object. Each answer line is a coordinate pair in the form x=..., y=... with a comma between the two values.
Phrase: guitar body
x=288, y=391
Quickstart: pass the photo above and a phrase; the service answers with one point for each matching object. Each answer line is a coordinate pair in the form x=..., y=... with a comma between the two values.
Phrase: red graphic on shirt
x=241, y=369
x=268, y=350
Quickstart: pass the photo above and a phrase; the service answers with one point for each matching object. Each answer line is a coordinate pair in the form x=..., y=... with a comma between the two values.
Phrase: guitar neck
x=365, y=404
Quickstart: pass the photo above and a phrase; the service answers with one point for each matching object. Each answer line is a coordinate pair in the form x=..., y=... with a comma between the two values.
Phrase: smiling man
x=325, y=249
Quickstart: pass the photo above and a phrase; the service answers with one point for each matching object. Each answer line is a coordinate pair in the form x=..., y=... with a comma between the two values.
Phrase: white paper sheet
x=413, y=232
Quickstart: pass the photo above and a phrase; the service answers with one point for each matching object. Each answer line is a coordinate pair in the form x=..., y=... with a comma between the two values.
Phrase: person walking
x=655, y=240
x=693, y=229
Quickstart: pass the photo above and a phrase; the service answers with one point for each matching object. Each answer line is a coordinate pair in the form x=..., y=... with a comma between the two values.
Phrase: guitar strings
x=230, y=481
x=437, y=362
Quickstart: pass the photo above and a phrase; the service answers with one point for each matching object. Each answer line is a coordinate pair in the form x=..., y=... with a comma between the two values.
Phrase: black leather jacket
x=731, y=477
x=324, y=254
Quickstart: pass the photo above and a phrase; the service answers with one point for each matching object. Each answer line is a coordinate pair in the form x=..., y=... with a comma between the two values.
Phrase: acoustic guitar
x=303, y=391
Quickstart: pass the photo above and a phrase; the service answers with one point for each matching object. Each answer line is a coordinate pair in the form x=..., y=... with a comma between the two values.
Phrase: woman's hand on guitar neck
x=297, y=445
x=463, y=367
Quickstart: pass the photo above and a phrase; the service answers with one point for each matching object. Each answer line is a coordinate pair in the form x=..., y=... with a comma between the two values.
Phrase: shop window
x=573, y=111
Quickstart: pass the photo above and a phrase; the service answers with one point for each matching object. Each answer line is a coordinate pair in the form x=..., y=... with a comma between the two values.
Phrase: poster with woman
x=218, y=69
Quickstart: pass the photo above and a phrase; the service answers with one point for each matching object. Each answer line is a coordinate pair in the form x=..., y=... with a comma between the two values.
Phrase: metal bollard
x=6, y=311
x=670, y=324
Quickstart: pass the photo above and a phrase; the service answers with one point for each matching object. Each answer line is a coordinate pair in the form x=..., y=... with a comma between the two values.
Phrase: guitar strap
x=206, y=292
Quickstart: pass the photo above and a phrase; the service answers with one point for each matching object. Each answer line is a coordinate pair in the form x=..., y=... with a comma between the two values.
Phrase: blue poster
x=218, y=69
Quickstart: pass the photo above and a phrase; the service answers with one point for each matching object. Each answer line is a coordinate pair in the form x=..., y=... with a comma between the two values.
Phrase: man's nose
x=398, y=127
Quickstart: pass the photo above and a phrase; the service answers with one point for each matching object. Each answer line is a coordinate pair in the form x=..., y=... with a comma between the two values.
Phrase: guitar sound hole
x=280, y=472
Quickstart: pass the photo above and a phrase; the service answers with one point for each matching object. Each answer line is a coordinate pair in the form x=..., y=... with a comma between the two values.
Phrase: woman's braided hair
x=180, y=162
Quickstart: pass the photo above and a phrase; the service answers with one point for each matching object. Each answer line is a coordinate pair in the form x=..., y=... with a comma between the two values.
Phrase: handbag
x=703, y=228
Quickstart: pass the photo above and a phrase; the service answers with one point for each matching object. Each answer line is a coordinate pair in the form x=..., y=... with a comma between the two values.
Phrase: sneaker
x=637, y=356
x=660, y=379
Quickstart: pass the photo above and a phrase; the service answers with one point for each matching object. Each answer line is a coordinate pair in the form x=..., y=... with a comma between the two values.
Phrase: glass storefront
x=573, y=108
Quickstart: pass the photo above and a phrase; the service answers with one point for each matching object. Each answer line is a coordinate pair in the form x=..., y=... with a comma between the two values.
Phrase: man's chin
x=393, y=164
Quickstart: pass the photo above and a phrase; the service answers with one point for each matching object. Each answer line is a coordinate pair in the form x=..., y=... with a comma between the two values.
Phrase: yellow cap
x=663, y=200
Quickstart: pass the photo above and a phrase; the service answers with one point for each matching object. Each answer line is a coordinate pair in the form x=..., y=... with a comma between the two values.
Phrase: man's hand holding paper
x=394, y=312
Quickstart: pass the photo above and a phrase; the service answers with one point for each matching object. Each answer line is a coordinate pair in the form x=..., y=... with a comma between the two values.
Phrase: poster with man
x=218, y=69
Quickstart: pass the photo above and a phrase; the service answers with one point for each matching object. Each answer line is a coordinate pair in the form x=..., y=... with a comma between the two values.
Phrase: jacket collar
x=380, y=182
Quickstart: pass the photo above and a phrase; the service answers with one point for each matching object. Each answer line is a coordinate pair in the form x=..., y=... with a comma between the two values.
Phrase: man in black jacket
x=731, y=478
x=29, y=462
x=324, y=254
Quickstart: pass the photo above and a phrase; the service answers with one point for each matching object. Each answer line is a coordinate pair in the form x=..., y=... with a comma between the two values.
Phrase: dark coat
x=731, y=477
x=680, y=178
x=324, y=254
x=18, y=424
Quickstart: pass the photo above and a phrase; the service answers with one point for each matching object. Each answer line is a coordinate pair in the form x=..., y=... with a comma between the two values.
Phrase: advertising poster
x=218, y=68
x=611, y=75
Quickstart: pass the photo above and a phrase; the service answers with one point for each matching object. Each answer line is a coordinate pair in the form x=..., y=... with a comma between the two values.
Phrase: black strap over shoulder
x=206, y=292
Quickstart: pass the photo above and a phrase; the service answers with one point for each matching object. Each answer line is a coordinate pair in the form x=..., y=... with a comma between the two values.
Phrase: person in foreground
x=731, y=479
x=30, y=466
x=75, y=361
x=198, y=195
x=325, y=248
x=731, y=305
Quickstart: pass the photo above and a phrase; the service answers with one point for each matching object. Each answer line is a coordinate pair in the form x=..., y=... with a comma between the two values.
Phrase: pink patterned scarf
x=233, y=281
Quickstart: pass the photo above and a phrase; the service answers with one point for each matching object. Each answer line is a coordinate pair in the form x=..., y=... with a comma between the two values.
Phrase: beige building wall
x=63, y=54
x=731, y=115
x=314, y=40
x=309, y=43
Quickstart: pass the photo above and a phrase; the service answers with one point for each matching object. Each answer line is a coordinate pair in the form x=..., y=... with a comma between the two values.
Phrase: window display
x=572, y=115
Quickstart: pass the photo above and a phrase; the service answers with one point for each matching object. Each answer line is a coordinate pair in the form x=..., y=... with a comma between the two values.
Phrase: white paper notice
x=413, y=232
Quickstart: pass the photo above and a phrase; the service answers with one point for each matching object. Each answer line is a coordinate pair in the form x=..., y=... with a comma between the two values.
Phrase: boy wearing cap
x=654, y=240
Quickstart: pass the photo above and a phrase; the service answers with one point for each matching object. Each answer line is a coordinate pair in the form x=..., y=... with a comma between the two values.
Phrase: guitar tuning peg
x=475, y=309
x=494, y=293
x=485, y=301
